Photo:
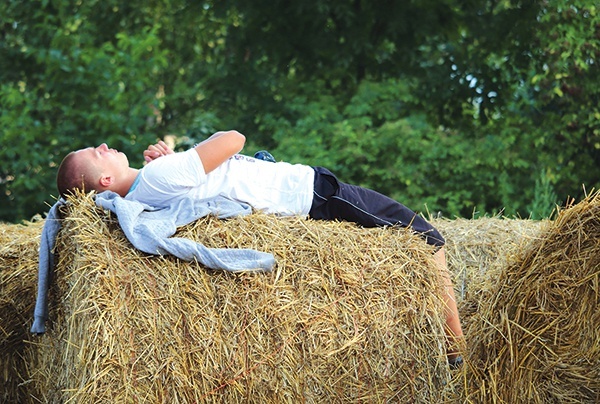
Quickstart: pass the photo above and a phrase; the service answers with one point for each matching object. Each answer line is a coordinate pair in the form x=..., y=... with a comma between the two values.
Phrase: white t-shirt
x=280, y=188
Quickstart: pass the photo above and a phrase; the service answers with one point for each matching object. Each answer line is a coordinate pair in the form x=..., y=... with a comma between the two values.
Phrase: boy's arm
x=215, y=150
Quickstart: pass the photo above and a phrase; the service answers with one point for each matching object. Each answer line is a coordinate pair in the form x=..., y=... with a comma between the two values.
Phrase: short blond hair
x=73, y=174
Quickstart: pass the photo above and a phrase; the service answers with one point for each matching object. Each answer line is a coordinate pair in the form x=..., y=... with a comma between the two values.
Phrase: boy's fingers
x=166, y=149
x=157, y=150
x=153, y=149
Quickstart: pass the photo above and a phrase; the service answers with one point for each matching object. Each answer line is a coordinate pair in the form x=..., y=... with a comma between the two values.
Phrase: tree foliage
x=67, y=83
x=460, y=107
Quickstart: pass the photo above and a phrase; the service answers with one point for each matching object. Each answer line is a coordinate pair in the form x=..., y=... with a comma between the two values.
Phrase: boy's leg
x=336, y=200
x=454, y=331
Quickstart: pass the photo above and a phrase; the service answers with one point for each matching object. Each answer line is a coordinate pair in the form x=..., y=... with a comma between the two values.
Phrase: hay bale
x=130, y=327
x=479, y=250
x=536, y=336
x=349, y=314
x=475, y=247
x=18, y=277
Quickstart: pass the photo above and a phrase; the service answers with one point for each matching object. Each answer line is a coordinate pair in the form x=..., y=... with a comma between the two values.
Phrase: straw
x=18, y=275
x=349, y=314
x=535, y=337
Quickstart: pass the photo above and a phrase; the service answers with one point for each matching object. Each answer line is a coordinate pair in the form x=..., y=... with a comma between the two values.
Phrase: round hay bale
x=536, y=335
x=18, y=262
x=349, y=314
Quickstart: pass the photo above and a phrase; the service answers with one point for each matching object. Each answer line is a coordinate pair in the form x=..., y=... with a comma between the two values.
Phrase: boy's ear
x=106, y=181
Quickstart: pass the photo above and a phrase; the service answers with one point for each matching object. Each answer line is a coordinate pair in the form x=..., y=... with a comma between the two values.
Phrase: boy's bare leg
x=453, y=327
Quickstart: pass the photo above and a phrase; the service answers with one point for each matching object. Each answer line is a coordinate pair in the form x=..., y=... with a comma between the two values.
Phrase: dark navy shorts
x=335, y=200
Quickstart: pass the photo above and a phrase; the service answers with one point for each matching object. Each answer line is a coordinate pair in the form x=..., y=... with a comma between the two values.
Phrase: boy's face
x=104, y=159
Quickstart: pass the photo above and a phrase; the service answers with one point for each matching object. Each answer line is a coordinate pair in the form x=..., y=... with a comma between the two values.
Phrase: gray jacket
x=149, y=230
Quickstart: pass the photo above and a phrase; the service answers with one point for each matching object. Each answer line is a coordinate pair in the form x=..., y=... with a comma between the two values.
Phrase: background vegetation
x=459, y=107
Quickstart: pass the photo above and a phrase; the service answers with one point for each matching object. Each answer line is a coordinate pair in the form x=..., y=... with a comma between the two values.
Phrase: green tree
x=456, y=105
x=67, y=83
x=523, y=75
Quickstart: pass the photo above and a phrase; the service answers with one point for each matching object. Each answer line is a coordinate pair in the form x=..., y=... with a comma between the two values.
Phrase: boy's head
x=91, y=169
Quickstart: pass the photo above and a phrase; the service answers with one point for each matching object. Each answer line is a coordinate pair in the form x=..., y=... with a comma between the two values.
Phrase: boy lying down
x=214, y=168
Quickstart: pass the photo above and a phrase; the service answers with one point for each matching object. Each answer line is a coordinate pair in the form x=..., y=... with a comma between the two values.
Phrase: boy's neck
x=127, y=181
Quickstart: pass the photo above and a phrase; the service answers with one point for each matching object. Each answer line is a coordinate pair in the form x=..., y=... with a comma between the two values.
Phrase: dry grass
x=535, y=337
x=479, y=250
x=18, y=277
x=348, y=315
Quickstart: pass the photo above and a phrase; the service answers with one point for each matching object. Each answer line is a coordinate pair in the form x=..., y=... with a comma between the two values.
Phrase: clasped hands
x=157, y=150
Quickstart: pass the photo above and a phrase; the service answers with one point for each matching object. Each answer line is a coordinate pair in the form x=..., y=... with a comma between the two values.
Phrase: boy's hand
x=155, y=151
